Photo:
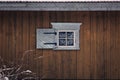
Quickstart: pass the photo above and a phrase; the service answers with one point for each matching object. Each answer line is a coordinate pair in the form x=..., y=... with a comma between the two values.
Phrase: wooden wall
x=98, y=57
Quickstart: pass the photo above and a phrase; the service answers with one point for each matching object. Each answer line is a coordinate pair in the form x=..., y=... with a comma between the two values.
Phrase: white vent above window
x=62, y=36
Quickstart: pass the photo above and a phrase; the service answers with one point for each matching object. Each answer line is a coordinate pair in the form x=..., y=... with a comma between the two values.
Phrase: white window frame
x=67, y=27
x=63, y=38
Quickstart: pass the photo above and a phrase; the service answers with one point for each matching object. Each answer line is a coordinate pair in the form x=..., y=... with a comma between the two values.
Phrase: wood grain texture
x=98, y=57
x=107, y=37
x=1, y=35
x=38, y=53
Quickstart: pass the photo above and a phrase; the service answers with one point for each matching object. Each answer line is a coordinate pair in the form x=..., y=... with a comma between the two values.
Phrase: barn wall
x=99, y=53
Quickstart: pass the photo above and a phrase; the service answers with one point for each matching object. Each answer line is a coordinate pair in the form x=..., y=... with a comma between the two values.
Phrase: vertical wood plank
x=5, y=37
x=116, y=53
x=32, y=36
x=105, y=29
x=14, y=37
x=26, y=39
x=114, y=50
x=112, y=44
x=80, y=53
x=12, y=41
x=3, y=34
x=18, y=38
x=117, y=44
x=118, y=40
x=39, y=53
x=99, y=49
x=93, y=45
x=1, y=37
x=107, y=38
x=87, y=53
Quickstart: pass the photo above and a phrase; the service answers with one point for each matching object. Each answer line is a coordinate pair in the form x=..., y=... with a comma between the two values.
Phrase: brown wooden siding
x=98, y=57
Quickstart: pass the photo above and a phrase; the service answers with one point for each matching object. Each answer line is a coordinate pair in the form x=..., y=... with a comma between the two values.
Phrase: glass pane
x=70, y=34
x=62, y=42
x=70, y=42
x=62, y=34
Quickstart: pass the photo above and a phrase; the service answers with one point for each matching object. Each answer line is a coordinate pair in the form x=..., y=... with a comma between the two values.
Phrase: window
x=66, y=38
x=62, y=36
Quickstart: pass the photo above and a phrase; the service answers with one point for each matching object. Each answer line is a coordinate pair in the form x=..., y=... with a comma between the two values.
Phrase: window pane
x=62, y=34
x=62, y=42
x=70, y=34
x=70, y=42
